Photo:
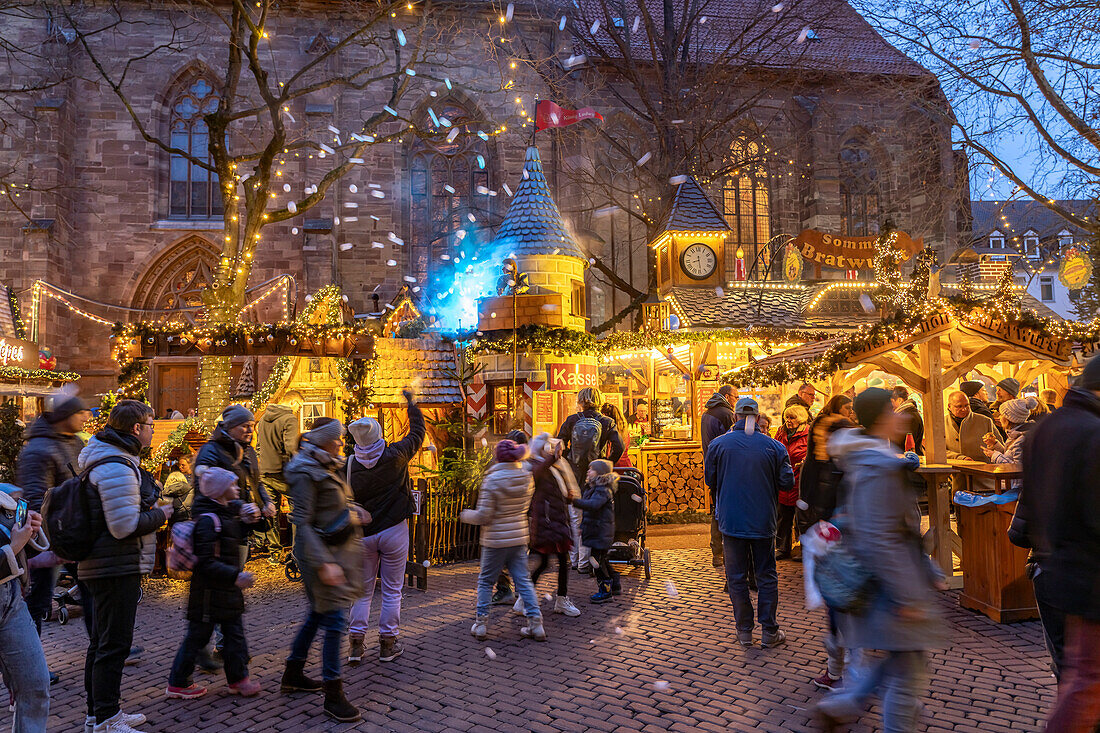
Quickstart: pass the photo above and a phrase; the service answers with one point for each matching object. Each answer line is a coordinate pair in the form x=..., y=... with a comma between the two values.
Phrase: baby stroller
x=630, y=508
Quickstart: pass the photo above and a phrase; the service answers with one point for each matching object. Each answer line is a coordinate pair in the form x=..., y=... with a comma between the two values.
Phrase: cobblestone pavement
x=588, y=677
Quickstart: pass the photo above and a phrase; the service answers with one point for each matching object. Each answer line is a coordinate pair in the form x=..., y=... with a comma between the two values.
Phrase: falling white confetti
x=445, y=257
x=378, y=194
x=351, y=205
x=703, y=20
x=619, y=630
x=594, y=27
x=410, y=72
x=448, y=83
x=637, y=22
x=677, y=122
x=353, y=188
x=803, y=35
x=358, y=137
x=660, y=685
x=375, y=217
x=471, y=217
x=483, y=190
x=336, y=221
x=322, y=154
x=636, y=498
x=345, y=246
x=327, y=149
x=390, y=109
x=866, y=302
x=645, y=158
x=490, y=653
x=482, y=135
x=677, y=180
x=428, y=563
x=433, y=93
x=333, y=130
x=377, y=245
x=401, y=37
x=395, y=239
x=391, y=263
x=460, y=234
x=452, y=134
x=508, y=12
x=548, y=307
x=575, y=61
x=506, y=189
x=294, y=230
x=292, y=207
x=605, y=211
x=481, y=162
x=349, y=219
x=448, y=188
x=591, y=641
x=526, y=174
x=561, y=23
x=591, y=260
x=975, y=43
x=435, y=119
x=777, y=8
x=287, y=113
x=593, y=562
x=484, y=442
x=548, y=597
x=409, y=279
x=670, y=589
x=719, y=292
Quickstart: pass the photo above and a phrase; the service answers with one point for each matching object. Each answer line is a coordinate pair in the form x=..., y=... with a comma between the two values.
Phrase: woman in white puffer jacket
x=502, y=506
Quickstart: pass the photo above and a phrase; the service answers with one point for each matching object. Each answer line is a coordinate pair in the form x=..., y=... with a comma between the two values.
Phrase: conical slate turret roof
x=693, y=211
x=533, y=224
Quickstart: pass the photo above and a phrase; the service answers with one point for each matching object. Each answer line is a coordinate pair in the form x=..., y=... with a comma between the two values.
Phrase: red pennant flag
x=548, y=114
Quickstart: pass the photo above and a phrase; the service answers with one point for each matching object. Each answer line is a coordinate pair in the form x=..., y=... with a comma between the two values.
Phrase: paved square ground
x=588, y=677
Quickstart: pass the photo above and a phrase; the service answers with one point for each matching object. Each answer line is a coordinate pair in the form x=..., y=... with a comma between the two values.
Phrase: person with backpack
x=222, y=523
x=49, y=457
x=379, y=478
x=22, y=660
x=586, y=436
x=276, y=441
x=123, y=519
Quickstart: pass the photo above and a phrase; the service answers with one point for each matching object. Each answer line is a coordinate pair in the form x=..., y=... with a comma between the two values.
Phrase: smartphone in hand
x=21, y=513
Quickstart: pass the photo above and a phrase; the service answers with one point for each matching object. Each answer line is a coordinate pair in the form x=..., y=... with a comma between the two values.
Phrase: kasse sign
x=571, y=377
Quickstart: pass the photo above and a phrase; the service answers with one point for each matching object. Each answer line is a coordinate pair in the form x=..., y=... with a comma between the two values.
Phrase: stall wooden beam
x=935, y=440
x=960, y=369
x=914, y=380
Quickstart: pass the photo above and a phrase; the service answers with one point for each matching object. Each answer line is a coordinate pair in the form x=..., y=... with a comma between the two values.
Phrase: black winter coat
x=598, y=503
x=1059, y=510
x=609, y=436
x=383, y=489
x=224, y=452
x=44, y=461
x=717, y=419
x=551, y=530
x=214, y=595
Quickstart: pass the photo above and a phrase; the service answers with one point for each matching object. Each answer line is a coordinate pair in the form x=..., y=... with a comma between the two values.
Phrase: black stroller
x=630, y=525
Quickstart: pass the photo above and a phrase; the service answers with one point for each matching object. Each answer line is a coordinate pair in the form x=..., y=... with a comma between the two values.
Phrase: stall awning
x=806, y=352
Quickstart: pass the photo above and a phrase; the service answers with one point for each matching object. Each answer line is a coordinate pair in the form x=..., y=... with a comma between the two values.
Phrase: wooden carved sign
x=926, y=329
x=849, y=253
x=1029, y=339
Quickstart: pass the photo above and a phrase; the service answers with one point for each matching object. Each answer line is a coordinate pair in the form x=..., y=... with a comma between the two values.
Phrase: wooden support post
x=935, y=452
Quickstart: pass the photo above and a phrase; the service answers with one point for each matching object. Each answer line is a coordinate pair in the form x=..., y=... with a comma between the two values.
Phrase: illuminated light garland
x=13, y=373
x=174, y=440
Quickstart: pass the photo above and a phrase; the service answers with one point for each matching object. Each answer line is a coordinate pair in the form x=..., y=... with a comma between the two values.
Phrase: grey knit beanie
x=325, y=433
x=236, y=415
x=366, y=431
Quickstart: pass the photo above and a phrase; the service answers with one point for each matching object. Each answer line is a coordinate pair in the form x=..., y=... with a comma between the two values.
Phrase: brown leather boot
x=337, y=705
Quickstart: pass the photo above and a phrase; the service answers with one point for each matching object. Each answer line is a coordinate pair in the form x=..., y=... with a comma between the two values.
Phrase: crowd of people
x=845, y=468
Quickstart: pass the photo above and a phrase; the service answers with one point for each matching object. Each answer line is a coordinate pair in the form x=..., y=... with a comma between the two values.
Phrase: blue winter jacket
x=598, y=504
x=748, y=472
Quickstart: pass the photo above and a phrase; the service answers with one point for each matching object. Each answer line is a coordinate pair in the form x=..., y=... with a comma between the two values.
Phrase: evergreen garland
x=11, y=440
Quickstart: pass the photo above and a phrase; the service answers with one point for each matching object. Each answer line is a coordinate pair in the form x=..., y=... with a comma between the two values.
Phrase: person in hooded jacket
x=379, y=478
x=749, y=469
x=551, y=531
x=230, y=447
x=597, y=501
x=123, y=510
x=881, y=527
x=276, y=442
x=1015, y=416
x=329, y=554
x=49, y=457
x=716, y=420
x=179, y=488
x=502, y=505
x=222, y=523
x=794, y=436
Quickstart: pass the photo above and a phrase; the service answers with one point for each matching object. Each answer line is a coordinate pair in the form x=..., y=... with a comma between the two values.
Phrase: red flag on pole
x=548, y=114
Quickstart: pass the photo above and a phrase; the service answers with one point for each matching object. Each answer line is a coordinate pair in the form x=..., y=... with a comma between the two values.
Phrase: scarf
x=957, y=420
x=322, y=456
x=369, y=456
x=128, y=443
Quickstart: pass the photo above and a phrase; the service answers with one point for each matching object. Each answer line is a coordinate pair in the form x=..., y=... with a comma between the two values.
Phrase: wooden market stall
x=930, y=354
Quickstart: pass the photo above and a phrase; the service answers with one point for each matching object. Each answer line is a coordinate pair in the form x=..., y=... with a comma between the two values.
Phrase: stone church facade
x=121, y=230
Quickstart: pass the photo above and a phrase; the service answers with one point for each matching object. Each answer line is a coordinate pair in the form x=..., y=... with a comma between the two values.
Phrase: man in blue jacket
x=748, y=469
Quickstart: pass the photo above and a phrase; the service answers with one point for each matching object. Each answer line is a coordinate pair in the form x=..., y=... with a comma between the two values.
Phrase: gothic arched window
x=192, y=190
x=450, y=177
x=859, y=188
x=177, y=278
x=746, y=202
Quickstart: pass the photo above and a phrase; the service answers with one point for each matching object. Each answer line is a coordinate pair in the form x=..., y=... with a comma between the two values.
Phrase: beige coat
x=966, y=442
x=502, y=505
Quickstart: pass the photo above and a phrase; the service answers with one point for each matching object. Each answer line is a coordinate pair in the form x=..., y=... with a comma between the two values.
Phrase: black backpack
x=584, y=443
x=67, y=516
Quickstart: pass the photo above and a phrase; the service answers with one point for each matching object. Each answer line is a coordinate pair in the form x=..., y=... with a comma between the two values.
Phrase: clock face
x=698, y=261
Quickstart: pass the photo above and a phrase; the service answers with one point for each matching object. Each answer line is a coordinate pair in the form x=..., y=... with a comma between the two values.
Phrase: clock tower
x=691, y=241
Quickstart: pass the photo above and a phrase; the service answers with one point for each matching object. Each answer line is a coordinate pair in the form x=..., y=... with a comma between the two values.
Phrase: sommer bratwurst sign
x=849, y=253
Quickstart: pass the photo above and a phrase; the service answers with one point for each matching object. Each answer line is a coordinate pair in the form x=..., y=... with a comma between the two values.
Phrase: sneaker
x=134, y=656
x=534, y=629
x=768, y=640
x=245, y=688
x=517, y=608
x=389, y=648
x=744, y=637
x=480, y=629
x=183, y=693
x=585, y=569
x=503, y=597
x=603, y=595
x=355, y=654
x=117, y=724
x=566, y=606
x=130, y=718
x=825, y=682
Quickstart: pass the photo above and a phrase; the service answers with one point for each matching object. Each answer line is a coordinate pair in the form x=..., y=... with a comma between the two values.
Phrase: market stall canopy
x=777, y=305
x=425, y=364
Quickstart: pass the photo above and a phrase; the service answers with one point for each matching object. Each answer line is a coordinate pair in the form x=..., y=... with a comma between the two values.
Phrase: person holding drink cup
x=222, y=525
